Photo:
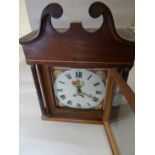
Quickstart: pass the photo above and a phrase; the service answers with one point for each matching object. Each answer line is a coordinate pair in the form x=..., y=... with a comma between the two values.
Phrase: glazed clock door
x=80, y=88
x=120, y=118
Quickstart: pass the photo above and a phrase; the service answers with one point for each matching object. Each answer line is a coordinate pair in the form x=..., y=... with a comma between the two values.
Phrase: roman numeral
x=62, y=82
x=59, y=90
x=69, y=102
x=68, y=76
x=62, y=97
x=78, y=105
x=96, y=84
x=95, y=99
x=89, y=77
x=78, y=74
x=99, y=92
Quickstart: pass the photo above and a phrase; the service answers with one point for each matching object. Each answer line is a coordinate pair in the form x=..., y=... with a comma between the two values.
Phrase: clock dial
x=79, y=88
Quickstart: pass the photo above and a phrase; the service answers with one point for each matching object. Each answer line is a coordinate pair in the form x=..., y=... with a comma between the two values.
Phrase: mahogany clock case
x=46, y=48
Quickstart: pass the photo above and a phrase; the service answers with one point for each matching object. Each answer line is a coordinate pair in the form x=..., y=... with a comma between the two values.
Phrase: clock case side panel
x=38, y=89
x=64, y=113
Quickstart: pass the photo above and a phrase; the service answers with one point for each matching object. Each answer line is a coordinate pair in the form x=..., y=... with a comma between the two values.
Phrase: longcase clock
x=70, y=69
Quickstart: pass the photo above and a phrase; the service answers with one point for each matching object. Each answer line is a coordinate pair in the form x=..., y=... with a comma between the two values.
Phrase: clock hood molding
x=77, y=46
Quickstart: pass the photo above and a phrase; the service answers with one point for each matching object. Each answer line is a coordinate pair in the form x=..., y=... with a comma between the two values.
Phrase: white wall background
x=24, y=26
x=77, y=10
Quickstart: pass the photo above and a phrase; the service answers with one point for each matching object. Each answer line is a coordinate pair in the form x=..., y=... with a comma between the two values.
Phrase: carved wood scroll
x=77, y=47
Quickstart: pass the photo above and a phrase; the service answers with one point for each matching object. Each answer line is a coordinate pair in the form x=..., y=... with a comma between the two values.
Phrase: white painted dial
x=79, y=88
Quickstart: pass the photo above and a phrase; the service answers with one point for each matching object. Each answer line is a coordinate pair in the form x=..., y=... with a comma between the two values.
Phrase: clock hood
x=76, y=45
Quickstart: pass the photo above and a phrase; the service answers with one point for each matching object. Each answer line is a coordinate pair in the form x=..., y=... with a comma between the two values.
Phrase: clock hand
x=89, y=95
x=78, y=89
x=78, y=94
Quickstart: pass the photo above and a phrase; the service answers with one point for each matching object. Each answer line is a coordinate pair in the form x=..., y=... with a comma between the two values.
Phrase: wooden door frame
x=115, y=78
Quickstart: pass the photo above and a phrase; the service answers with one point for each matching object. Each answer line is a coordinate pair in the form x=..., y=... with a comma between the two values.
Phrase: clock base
x=73, y=120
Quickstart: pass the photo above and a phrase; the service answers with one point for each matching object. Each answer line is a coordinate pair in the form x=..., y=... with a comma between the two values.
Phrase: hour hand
x=78, y=94
x=88, y=95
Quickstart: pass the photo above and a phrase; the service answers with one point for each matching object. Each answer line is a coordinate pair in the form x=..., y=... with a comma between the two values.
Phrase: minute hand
x=89, y=95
